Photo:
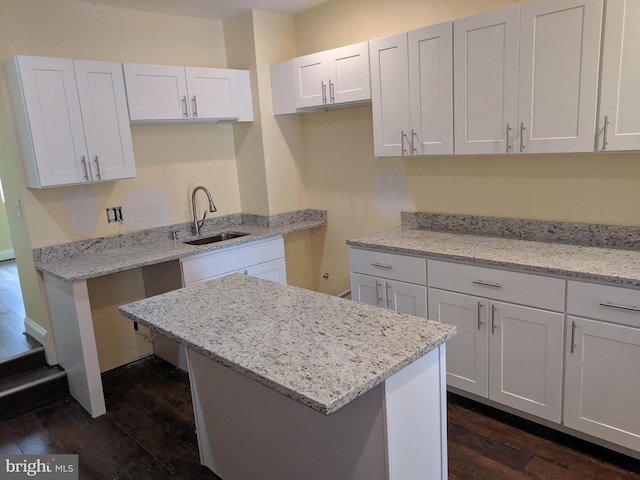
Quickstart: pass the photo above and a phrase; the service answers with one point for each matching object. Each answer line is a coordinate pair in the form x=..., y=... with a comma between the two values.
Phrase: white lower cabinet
x=509, y=344
x=563, y=351
x=398, y=296
x=375, y=281
x=262, y=259
x=602, y=378
x=508, y=353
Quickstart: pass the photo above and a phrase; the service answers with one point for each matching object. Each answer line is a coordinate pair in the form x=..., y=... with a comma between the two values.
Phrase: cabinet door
x=602, y=381
x=103, y=103
x=406, y=298
x=431, y=90
x=310, y=80
x=348, y=70
x=214, y=93
x=275, y=270
x=367, y=289
x=559, y=58
x=390, y=95
x=619, y=122
x=525, y=359
x=52, y=133
x=468, y=351
x=156, y=92
x=486, y=82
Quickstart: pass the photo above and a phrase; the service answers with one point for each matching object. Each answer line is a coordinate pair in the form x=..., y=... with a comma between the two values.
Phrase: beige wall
x=6, y=245
x=363, y=194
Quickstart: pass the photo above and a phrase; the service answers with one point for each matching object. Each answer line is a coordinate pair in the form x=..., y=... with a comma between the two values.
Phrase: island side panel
x=248, y=431
x=416, y=419
x=74, y=338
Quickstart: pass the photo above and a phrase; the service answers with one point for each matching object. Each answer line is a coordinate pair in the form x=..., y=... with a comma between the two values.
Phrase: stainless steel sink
x=219, y=237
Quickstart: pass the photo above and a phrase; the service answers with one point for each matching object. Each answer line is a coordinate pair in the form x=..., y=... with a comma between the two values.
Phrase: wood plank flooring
x=12, y=338
x=149, y=433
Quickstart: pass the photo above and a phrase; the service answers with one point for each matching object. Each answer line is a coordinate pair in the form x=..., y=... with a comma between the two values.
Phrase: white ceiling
x=212, y=9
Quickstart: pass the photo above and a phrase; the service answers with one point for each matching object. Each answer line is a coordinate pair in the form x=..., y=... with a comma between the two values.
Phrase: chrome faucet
x=197, y=224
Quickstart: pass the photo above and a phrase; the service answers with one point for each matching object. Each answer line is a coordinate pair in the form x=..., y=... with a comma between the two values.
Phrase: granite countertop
x=320, y=350
x=616, y=266
x=86, y=259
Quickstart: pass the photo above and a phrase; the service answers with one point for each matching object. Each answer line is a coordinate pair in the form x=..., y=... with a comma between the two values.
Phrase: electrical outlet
x=114, y=214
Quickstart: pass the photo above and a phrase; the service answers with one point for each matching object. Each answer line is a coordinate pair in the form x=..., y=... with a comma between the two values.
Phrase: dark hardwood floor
x=148, y=433
x=12, y=338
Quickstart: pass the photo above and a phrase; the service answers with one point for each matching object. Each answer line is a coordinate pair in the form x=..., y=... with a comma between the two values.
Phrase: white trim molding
x=7, y=255
x=43, y=337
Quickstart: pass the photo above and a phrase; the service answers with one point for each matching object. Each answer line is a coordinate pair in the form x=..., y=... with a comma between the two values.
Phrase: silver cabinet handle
x=604, y=134
x=480, y=315
x=332, y=93
x=493, y=318
x=86, y=168
x=402, y=137
x=324, y=93
x=487, y=284
x=185, y=107
x=508, y=138
x=379, y=292
x=573, y=336
x=99, y=174
x=194, y=104
x=386, y=266
x=522, y=129
x=628, y=308
x=414, y=151
x=389, y=297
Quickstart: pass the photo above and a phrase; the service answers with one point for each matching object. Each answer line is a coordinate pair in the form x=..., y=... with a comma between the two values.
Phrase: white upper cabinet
x=526, y=78
x=72, y=120
x=390, y=95
x=159, y=93
x=619, y=119
x=321, y=80
x=336, y=76
x=486, y=82
x=559, y=59
x=412, y=93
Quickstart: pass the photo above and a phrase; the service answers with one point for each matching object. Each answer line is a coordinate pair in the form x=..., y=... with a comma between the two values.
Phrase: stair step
x=28, y=378
x=27, y=382
x=22, y=362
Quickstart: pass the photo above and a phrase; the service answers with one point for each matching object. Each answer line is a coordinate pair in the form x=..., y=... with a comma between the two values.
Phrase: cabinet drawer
x=219, y=262
x=515, y=287
x=389, y=265
x=604, y=302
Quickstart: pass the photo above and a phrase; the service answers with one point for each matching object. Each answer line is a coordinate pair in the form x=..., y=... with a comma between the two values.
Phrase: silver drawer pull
x=382, y=265
x=630, y=308
x=487, y=284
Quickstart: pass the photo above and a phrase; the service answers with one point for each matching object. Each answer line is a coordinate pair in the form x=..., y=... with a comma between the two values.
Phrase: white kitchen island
x=289, y=384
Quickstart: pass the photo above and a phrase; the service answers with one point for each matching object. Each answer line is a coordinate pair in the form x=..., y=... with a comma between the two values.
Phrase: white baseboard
x=42, y=336
x=7, y=254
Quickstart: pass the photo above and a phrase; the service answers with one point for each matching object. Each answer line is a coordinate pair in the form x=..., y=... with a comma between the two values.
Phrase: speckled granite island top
x=618, y=266
x=93, y=258
x=320, y=350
